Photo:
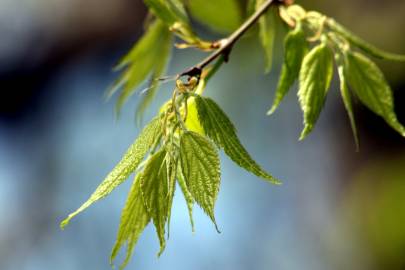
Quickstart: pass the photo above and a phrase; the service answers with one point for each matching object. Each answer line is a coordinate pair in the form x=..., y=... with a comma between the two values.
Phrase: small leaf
x=129, y=163
x=187, y=196
x=201, y=169
x=220, y=129
x=134, y=219
x=169, y=11
x=365, y=46
x=171, y=167
x=370, y=86
x=155, y=192
x=315, y=78
x=268, y=29
x=221, y=15
x=295, y=49
x=347, y=100
x=192, y=121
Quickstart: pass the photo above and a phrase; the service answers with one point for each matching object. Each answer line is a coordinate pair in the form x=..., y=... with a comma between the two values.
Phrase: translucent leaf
x=163, y=54
x=346, y=96
x=129, y=163
x=220, y=129
x=192, y=121
x=169, y=11
x=268, y=28
x=187, y=196
x=221, y=15
x=201, y=169
x=295, y=49
x=315, y=78
x=155, y=192
x=134, y=219
x=370, y=86
x=365, y=46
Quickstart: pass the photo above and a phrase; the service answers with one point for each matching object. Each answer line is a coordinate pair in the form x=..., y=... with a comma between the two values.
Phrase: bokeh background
x=337, y=209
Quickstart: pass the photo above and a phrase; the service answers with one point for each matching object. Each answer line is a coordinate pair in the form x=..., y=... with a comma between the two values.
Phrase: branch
x=227, y=43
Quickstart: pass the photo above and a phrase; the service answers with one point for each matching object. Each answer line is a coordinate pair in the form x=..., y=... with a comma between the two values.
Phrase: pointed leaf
x=268, y=29
x=187, y=196
x=370, y=86
x=169, y=11
x=220, y=129
x=155, y=192
x=315, y=78
x=129, y=163
x=134, y=219
x=346, y=96
x=201, y=169
x=295, y=49
x=364, y=45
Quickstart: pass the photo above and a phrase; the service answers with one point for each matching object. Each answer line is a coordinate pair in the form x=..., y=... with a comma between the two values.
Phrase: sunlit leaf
x=155, y=192
x=295, y=49
x=134, y=219
x=129, y=163
x=192, y=121
x=268, y=29
x=364, y=45
x=220, y=129
x=169, y=11
x=220, y=15
x=370, y=86
x=201, y=170
x=314, y=78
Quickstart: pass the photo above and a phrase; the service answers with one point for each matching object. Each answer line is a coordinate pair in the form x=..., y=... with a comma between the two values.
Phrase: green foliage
x=315, y=78
x=181, y=144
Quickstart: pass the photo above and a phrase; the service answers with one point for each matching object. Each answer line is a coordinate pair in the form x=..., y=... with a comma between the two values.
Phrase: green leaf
x=169, y=11
x=220, y=129
x=134, y=219
x=171, y=167
x=346, y=96
x=163, y=54
x=149, y=56
x=221, y=15
x=187, y=196
x=129, y=163
x=370, y=86
x=201, y=169
x=315, y=78
x=362, y=44
x=295, y=49
x=192, y=121
x=155, y=192
x=267, y=32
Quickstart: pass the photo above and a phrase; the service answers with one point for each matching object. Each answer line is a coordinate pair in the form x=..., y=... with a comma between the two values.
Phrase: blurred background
x=337, y=209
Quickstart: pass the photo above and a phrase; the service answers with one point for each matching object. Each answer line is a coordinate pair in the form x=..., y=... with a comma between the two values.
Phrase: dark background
x=337, y=209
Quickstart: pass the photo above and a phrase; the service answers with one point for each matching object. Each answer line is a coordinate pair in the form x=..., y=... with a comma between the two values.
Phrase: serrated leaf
x=129, y=163
x=267, y=32
x=220, y=129
x=314, y=78
x=155, y=193
x=163, y=54
x=171, y=168
x=346, y=96
x=362, y=44
x=187, y=196
x=295, y=49
x=169, y=11
x=370, y=86
x=201, y=170
x=221, y=15
x=134, y=219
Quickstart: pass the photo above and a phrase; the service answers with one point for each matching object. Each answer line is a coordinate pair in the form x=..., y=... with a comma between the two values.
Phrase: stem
x=227, y=43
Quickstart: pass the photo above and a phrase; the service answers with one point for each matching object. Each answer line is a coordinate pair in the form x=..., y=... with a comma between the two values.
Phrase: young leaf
x=155, y=193
x=315, y=78
x=201, y=169
x=221, y=15
x=220, y=129
x=192, y=121
x=171, y=167
x=360, y=43
x=134, y=219
x=370, y=86
x=187, y=196
x=169, y=11
x=268, y=28
x=295, y=49
x=347, y=100
x=129, y=163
